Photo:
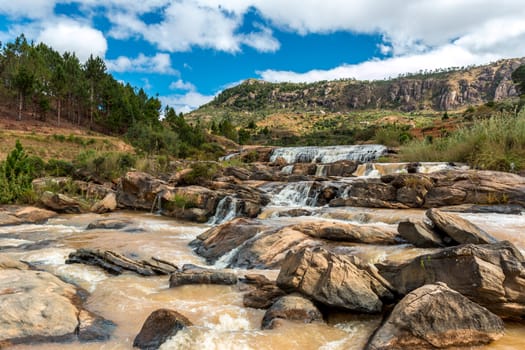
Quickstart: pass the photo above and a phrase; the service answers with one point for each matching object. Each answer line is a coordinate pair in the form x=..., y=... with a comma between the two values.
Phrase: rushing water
x=328, y=154
x=221, y=322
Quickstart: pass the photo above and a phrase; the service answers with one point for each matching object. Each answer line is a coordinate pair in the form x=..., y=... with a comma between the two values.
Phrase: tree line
x=53, y=87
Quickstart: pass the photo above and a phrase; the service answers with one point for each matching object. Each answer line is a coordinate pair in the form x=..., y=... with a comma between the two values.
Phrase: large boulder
x=139, y=190
x=60, y=203
x=158, y=327
x=435, y=316
x=332, y=280
x=26, y=215
x=457, y=228
x=221, y=239
x=38, y=306
x=291, y=308
x=491, y=275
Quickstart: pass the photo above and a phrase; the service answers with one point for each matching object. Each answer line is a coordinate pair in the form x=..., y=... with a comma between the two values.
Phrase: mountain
x=443, y=90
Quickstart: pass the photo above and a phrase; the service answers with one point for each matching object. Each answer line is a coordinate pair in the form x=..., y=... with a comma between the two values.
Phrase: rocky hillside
x=444, y=90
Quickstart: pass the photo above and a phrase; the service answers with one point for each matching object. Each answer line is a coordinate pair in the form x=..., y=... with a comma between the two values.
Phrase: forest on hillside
x=38, y=82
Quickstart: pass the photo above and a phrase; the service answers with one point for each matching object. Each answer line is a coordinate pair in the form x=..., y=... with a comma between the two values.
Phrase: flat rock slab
x=435, y=316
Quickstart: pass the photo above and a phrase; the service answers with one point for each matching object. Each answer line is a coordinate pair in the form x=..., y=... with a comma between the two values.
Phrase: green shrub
x=16, y=175
x=57, y=167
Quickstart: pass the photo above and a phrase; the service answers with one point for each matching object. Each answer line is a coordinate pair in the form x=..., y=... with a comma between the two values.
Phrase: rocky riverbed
x=286, y=252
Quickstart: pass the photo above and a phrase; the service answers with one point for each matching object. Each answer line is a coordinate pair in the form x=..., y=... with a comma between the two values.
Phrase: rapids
x=217, y=311
x=221, y=321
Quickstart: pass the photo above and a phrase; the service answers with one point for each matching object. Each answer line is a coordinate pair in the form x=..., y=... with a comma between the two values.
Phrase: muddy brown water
x=221, y=321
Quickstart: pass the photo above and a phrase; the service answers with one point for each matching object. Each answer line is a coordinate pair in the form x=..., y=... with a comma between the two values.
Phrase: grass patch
x=496, y=143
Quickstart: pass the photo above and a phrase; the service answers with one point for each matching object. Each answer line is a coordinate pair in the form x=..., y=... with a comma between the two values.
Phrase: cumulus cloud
x=182, y=85
x=186, y=102
x=68, y=35
x=27, y=8
x=159, y=63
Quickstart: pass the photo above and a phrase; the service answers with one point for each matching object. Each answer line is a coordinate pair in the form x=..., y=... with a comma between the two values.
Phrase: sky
x=187, y=51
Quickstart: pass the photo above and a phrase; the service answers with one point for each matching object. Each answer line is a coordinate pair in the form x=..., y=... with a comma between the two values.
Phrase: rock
x=109, y=224
x=435, y=316
x=37, y=306
x=268, y=249
x=367, y=202
x=332, y=280
x=412, y=189
x=295, y=212
x=237, y=172
x=219, y=240
x=34, y=215
x=191, y=274
x=459, y=229
x=491, y=275
x=106, y=205
x=264, y=294
x=93, y=327
x=116, y=263
x=291, y=308
x=419, y=234
x=7, y=262
x=9, y=219
x=342, y=168
x=158, y=327
x=60, y=203
x=343, y=232
x=139, y=190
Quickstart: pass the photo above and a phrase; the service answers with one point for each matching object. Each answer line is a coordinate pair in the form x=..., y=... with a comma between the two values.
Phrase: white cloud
x=182, y=85
x=160, y=63
x=186, y=102
x=447, y=56
x=68, y=35
x=27, y=8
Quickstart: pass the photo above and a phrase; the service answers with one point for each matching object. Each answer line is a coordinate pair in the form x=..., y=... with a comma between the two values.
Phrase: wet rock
x=367, y=202
x=34, y=215
x=343, y=232
x=7, y=262
x=342, y=168
x=9, y=219
x=264, y=293
x=491, y=275
x=268, y=249
x=60, y=203
x=219, y=240
x=93, y=327
x=295, y=212
x=158, y=327
x=291, y=308
x=435, y=316
x=332, y=280
x=38, y=307
x=508, y=209
x=116, y=263
x=237, y=172
x=191, y=274
x=412, y=189
x=109, y=224
x=457, y=228
x=419, y=234
x=106, y=205
x=139, y=190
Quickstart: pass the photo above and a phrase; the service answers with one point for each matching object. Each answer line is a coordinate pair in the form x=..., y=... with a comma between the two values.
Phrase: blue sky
x=187, y=51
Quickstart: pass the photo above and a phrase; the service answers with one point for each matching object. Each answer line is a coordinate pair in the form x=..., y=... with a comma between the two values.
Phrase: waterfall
x=320, y=170
x=157, y=203
x=329, y=154
x=227, y=209
x=296, y=194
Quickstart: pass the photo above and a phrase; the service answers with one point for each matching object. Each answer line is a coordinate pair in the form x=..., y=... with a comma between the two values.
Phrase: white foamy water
x=296, y=194
x=227, y=209
x=13, y=242
x=328, y=154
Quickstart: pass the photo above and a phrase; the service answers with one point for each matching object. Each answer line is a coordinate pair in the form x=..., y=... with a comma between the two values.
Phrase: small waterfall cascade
x=297, y=194
x=433, y=167
x=229, y=156
x=157, y=203
x=320, y=170
x=328, y=154
x=227, y=209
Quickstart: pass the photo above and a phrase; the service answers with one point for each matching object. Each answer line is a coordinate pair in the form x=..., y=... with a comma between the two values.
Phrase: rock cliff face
x=450, y=90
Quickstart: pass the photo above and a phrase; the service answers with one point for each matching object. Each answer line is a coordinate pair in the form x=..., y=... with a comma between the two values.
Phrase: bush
x=16, y=175
x=56, y=167
x=104, y=165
